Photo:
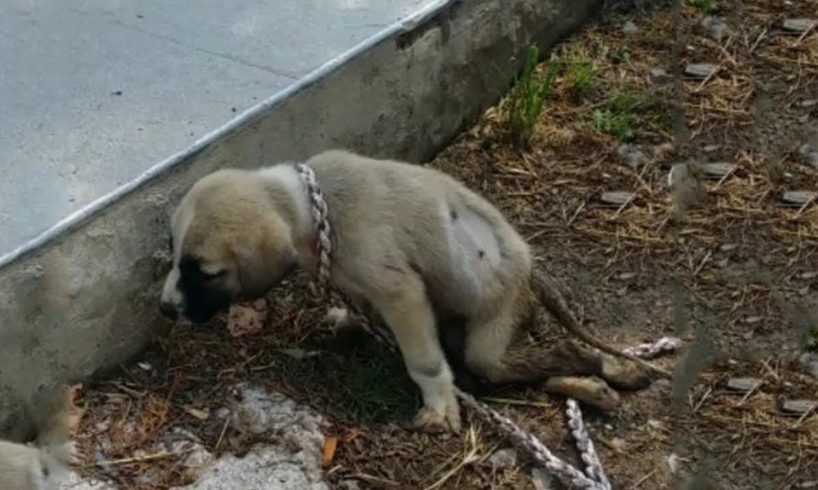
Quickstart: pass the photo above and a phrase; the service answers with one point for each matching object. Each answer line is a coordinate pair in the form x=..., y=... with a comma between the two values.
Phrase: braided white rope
x=650, y=350
x=566, y=473
x=585, y=445
x=318, y=208
x=594, y=476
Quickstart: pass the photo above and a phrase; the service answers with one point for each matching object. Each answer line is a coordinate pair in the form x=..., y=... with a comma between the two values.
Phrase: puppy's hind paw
x=625, y=374
x=589, y=390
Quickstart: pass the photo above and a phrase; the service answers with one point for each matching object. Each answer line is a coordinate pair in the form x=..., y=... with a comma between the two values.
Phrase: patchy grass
x=618, y=115
x=580, y=73
x=527, y=97
x=373, y=381
x=707, y=7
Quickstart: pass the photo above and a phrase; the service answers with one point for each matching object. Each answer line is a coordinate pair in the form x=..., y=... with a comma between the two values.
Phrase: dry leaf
x=75, y=413
x=243, y=320
x=330, y=444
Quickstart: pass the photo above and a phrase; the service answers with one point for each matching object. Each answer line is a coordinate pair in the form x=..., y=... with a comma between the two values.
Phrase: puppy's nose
x=168, y=310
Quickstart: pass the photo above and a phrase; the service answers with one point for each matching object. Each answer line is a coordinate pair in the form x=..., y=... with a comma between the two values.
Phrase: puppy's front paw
x=624, y=374
x=431, y=420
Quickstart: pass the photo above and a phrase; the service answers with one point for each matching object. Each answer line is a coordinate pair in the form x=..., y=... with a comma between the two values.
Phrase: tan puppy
x=412, y=243
x=45, y=465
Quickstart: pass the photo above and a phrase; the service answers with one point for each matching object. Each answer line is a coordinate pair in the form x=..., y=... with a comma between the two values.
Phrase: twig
x=643, y=479
x=138, y=459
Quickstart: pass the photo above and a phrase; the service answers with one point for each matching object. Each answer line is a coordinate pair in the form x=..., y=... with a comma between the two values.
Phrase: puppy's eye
x=210, y=276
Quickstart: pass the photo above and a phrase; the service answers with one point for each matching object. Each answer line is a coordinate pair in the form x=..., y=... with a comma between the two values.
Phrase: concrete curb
x=83, y=297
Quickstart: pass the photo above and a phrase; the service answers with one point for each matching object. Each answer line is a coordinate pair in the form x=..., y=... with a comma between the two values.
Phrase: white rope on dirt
x=593, y=478
x=650, y=350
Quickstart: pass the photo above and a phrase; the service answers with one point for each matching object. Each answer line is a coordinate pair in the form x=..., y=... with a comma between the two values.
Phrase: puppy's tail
x=550, y=297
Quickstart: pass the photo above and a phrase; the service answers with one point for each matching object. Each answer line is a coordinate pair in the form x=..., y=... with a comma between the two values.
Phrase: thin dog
x=411, y=243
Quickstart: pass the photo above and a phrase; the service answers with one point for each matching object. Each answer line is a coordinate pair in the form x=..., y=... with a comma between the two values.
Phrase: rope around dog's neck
x=592, y=478
x=323, y=249
x=320, y=216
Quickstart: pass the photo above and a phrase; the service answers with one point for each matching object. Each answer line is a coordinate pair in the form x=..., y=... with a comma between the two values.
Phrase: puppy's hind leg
x=570, y=368
x=408, y=313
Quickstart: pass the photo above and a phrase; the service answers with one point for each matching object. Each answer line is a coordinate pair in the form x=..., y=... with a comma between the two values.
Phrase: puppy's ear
x=265, y=255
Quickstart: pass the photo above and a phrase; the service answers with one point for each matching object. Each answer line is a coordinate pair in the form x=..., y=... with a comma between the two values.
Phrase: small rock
x=718, y=170
x=76, y=482
x=260, y=411
x=799, y=198
x=196, y=413
x=630, y=28
x=543, y=479
x=799, y=25
x=657, y=73
x=810, y=361
x=197, y=460
x=809, y=153
x=631, y=155
x=618, y=444
x=260, y=304
x=799, y=407
x=716, y=28
x=617, y=198
x=701, y=70
x=660, y=386
x=180, y=434
x=504, y=458
x=350, y=485
x=673, y=463
x=743, y=384
x=103, y=426
x=299, y=354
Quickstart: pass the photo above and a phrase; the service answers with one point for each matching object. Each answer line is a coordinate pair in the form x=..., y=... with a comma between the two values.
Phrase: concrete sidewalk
x=97, y=92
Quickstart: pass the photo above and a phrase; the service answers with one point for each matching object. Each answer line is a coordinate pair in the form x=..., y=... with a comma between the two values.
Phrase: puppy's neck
x=292, y=202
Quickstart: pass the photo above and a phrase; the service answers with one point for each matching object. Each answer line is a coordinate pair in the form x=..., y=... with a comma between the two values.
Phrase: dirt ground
x=734, y=274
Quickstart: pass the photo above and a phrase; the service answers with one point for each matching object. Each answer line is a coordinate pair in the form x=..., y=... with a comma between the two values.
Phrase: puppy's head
x=229, y=242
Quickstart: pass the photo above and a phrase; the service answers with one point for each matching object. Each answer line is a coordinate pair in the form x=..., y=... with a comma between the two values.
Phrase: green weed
x=373, y=384
x=707, y=7
x=811, y=341
x=581, y=72
x=617, y=116
x=527, y=97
